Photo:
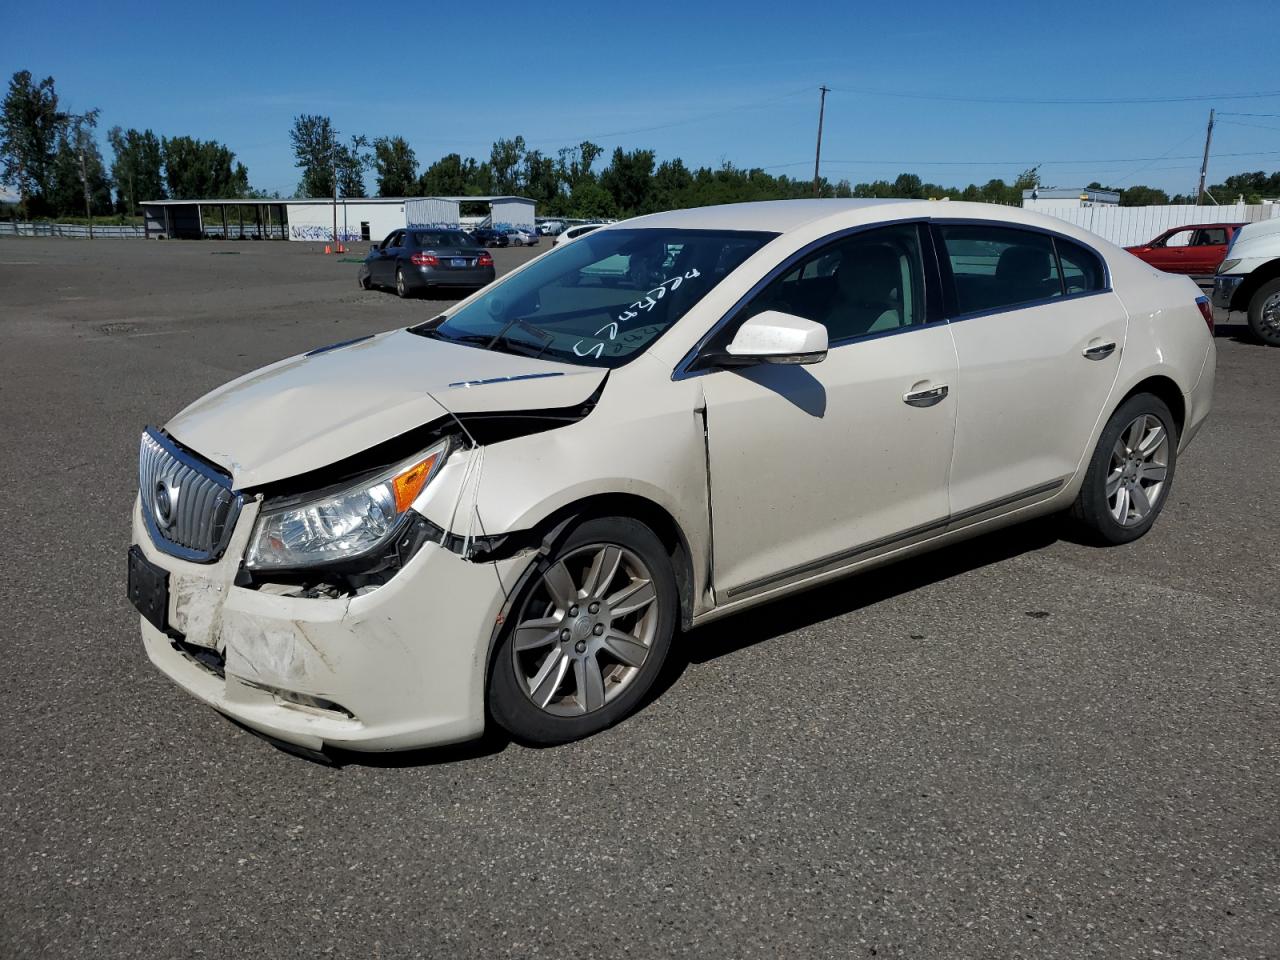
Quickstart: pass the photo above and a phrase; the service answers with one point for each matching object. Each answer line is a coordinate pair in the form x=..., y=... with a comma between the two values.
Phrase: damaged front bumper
x=398, y=667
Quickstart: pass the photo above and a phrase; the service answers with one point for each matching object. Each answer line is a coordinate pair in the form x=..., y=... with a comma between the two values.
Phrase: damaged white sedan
x=505, y=513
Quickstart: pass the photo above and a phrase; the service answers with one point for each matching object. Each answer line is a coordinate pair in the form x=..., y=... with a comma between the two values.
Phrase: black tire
x=1092, y=512
x=1265, y=326
x=402, y=291
x=510, y=699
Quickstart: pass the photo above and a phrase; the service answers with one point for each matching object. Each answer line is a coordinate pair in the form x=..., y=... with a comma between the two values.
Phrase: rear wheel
x=1130, y=474
x=401, y=290
x=1264, y=313
x=588, y=635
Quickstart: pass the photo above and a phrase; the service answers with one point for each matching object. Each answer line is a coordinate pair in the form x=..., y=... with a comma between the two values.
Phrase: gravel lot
x=1017, y=747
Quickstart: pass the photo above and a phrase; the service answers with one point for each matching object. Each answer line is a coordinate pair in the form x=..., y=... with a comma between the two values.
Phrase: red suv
x=1195, y=249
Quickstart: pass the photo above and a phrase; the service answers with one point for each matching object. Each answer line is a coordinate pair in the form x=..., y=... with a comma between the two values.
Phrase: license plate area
x=149, y=589
x=459, y=262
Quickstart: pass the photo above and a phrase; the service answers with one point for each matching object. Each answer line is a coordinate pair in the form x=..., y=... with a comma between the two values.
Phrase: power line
x=1242, y=123
x=1060, y=101
x=1047, y=163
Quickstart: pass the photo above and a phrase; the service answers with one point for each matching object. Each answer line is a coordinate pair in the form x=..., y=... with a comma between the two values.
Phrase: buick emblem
x=165, y=501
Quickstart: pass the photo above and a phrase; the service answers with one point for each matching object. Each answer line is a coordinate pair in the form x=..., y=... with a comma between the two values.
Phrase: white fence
x=1130, y=226
x=114, y=231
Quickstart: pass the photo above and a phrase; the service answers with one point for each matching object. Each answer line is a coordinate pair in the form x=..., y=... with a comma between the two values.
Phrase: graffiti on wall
x=300, y=231
x=435, y=225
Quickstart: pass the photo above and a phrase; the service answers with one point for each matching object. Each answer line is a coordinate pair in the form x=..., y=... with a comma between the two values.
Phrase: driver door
x=819, y=466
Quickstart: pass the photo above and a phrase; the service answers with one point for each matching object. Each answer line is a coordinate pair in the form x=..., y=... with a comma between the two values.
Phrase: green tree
x=353, y=160
x=202, y=170
x=396, y=166
x=137, y=169
x=78, y=166
x=447, y=177
x=506, y=159
x=315, y=151
x=591, y=201
x=29, y=131
x=1140, y=196
x=541, y=180
x=629, y=180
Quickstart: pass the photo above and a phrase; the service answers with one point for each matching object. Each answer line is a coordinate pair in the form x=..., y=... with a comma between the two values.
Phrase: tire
x=1264, y=313
x=1107, y=510
x=403, y=292
x=554, y=655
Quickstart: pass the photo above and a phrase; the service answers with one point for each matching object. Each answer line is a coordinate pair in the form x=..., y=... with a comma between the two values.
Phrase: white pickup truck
x=1249, y=279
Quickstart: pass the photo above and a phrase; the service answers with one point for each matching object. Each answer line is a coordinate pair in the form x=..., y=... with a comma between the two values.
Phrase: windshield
x=603, y=299
x=442, y=238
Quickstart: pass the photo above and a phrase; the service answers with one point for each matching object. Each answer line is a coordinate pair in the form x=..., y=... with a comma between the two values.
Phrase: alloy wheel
x=585, y=630
x=1139, y=466
x=1271, y=315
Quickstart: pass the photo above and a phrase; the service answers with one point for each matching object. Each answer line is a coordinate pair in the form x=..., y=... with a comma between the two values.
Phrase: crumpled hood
x=311, y=410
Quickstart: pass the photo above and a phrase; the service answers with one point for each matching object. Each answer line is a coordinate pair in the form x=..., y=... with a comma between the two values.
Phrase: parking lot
x=1016, y=747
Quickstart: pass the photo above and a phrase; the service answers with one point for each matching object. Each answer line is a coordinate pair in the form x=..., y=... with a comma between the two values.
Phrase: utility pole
x=817, y=160
x=1204, y=165
x=334, y=155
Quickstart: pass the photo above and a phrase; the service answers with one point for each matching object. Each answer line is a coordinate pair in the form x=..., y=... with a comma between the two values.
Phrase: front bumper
x=1224, y=289
x=402, y=666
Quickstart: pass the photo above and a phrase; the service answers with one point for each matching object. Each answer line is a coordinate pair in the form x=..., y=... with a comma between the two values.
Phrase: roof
x=777, y=216
x=313, y=200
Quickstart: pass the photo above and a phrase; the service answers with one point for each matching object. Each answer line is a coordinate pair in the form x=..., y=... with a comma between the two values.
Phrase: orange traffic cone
x=341, y=248
x=326, y=249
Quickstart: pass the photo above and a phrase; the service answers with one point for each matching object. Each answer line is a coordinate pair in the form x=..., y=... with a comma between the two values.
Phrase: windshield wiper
x=500, y=341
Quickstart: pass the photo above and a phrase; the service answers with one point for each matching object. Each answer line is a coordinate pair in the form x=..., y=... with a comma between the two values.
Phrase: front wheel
x=1131, y=472
x=588, y=635
x=1264, y=313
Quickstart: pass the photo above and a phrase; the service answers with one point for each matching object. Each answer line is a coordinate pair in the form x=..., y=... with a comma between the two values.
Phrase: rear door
x=1038, y=336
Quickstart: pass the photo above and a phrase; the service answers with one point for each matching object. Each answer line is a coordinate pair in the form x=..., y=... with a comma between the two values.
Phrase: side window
x=996, y=267
x=1210, y=236
x=1081, y=269
x=1180, y=239
x=867, y=283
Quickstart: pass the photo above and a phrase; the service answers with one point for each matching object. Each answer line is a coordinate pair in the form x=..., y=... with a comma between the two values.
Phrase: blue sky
x=708, y=82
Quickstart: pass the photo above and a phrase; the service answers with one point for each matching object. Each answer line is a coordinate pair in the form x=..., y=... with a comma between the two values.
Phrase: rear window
x=441, y=238
x=997, y=267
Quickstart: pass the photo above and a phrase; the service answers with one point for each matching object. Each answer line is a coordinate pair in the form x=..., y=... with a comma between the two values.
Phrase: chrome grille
x=188, y=505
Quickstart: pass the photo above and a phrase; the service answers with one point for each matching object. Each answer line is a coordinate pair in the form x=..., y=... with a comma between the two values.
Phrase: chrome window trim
x=682, y=371
x=1053, y=235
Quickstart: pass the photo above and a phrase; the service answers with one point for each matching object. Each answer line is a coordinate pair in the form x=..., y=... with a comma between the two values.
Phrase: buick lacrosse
x=505, y=513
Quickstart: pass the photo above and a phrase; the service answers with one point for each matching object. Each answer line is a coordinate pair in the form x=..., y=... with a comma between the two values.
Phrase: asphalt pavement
x=1016, y=747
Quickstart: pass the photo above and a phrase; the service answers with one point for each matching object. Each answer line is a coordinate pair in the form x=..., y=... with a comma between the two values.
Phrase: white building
x=1045, y=198
x=358, y=219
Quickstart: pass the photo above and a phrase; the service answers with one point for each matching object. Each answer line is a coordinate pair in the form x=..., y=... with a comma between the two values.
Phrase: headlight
x=342, y=525
x=1228, y=266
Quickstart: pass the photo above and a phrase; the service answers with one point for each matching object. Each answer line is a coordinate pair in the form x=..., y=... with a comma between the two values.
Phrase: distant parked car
x=573, y=233
x=522, y=238
x=1194, y=249
x=416, y=260
x=491, y=238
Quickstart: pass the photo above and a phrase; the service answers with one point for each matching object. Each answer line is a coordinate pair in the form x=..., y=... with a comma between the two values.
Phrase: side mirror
x=374, y=248
x=775, y=337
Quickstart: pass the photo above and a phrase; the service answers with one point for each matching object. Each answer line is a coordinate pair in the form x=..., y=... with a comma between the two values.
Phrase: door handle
x=925, y=398
x=1100, y=351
